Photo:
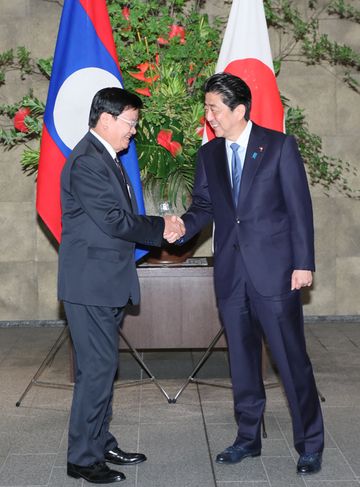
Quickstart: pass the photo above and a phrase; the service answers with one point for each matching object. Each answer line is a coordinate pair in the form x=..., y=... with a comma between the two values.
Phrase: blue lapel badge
x=255, y=154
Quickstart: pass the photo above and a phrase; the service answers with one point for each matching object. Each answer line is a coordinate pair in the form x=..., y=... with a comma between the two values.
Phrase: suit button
x=238, y=220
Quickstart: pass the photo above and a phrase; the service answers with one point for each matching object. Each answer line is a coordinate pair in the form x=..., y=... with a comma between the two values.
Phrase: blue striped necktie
x=236, y=171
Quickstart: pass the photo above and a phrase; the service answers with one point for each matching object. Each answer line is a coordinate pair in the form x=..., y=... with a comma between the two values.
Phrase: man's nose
x=209, y=116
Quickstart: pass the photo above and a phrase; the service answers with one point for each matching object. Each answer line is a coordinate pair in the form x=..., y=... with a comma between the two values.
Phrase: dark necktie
x=121, y=169
x=236, y=171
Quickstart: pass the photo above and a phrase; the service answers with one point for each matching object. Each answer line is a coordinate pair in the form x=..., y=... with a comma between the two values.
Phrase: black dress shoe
x=120, y=457
x=98, y=473
x=309, y=463
x=234, y=454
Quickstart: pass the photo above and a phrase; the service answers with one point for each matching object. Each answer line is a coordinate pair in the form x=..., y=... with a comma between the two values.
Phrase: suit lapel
x=133, y=202
x=111, y=165
x=222, y=170
x=253, y=158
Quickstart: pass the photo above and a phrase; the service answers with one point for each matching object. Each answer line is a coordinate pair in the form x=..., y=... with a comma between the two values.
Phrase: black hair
x=113, y=101
x=232, y=89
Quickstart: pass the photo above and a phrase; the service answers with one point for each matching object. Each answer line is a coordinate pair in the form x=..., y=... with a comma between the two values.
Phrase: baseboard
x=313, y=319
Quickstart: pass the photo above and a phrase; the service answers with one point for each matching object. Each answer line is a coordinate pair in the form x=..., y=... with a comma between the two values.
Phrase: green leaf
x=7, y=58
x=36, y=106
x=23, y=56
x=277, y=66
x=30, y=160
x=10, y=138
x=34, y=125
x=45, y=66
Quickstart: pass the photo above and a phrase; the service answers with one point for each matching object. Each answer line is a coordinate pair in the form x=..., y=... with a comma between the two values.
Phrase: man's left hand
x=301, y=278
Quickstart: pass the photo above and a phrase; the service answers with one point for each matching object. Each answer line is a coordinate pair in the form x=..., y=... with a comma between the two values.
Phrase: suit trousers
x=95, y=335
x=247, y=317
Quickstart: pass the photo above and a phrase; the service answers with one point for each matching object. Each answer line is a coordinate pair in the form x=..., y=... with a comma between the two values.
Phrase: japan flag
x=245, y=52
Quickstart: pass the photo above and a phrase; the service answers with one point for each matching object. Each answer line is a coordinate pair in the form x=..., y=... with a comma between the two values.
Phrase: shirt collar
x=106, y=144
x=243, y=140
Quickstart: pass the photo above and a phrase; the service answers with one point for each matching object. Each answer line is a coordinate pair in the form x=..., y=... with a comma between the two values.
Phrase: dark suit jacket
x=99, y=230
x=272, y=225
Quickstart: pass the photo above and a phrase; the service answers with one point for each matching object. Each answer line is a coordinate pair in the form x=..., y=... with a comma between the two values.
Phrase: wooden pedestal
x=177, y=310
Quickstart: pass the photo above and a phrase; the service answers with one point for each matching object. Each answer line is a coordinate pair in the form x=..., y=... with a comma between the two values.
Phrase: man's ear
x=104, y=120
x=240, y=111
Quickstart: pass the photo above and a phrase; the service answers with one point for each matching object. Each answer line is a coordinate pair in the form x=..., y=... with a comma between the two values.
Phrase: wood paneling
x=177, y=310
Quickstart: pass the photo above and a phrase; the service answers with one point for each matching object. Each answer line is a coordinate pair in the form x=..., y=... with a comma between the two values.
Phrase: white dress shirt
x=106, y=144
x=243, y=141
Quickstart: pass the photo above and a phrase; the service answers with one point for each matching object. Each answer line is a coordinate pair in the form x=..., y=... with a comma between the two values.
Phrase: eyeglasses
x=131, y=123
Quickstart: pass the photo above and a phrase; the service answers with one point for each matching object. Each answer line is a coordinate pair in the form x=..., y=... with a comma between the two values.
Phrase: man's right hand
x=174, y=228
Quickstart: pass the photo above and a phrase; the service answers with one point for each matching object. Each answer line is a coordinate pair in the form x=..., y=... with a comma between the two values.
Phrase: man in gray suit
x=97, y=275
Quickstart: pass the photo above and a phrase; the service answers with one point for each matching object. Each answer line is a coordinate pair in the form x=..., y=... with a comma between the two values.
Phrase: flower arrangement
x=166, y=51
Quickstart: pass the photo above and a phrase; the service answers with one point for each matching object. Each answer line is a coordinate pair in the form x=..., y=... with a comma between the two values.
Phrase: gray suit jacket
x=100, y=227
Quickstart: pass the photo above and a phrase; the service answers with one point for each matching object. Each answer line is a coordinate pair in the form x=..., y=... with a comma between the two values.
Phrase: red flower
x=141, y=77
x=164, y=139
x=157, y=59
x=143, y=67
x=143, y=91
x=200, y=130
x=19, y=119
x=162, y=41
x=177, y=31
x=126, y=13
x=190, y=81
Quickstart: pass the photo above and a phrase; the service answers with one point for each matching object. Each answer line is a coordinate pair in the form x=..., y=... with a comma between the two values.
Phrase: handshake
x=174, y=228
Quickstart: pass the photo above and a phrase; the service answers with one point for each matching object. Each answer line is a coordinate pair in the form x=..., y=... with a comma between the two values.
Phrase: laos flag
x=85, y=61
x=245, y=52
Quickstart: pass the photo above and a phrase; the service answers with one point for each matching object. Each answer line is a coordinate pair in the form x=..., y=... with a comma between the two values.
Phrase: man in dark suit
x=251, y=182
x=97, y=275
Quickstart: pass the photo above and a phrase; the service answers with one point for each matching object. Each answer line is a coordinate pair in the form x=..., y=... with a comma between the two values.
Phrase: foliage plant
x=166, y=51
x=303, y=42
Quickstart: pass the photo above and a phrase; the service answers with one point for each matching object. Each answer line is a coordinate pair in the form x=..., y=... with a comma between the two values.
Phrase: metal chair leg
x=64, y=335
x=198, y=366
x=322, y=398
x=143, y=365
x=47, y=360
x=264, y=432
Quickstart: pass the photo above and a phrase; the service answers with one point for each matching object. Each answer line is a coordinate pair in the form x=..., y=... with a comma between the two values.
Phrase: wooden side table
x=178, y=307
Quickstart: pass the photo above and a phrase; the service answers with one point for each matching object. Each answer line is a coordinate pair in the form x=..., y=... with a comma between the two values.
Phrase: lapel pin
x=254, y=156
x=261, y=148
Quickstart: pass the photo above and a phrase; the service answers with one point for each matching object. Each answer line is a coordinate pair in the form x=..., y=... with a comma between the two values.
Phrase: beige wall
x=28, y=259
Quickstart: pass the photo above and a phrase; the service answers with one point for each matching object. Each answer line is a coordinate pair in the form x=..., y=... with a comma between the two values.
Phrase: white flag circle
x=72, y=104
